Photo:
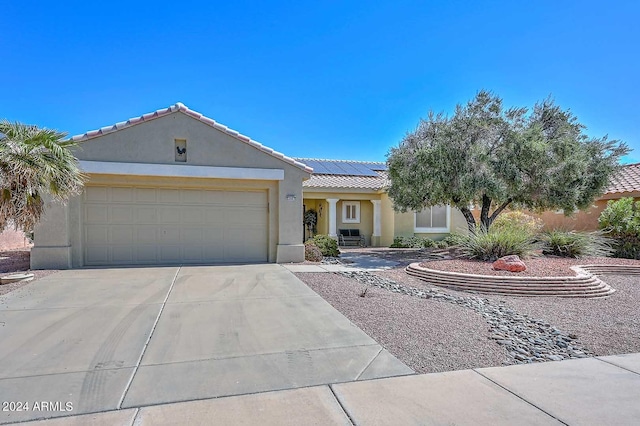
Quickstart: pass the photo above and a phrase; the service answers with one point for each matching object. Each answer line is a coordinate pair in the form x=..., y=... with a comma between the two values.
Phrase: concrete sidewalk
x=590, y=391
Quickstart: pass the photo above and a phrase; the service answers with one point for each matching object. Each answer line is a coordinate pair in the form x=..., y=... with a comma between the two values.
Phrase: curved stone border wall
x=584, y=284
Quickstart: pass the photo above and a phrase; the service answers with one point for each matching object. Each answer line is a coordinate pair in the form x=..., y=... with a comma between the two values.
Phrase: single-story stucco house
x=174, y=186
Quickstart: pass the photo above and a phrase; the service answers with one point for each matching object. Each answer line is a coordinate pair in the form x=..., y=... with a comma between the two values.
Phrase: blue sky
x=330, y=79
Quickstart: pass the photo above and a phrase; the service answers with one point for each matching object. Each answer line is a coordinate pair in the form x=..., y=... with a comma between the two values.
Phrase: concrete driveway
x=91, y=340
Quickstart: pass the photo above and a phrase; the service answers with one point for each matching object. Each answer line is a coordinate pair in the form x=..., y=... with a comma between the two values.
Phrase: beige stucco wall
x=58, y=237
x=314, y=200
x=393, y=223
x=581, y=221
x=586, y=220
x=404, y=225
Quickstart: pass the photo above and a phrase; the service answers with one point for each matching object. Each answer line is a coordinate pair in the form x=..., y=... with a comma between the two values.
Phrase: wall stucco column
x=332, y=216
x=377, y=222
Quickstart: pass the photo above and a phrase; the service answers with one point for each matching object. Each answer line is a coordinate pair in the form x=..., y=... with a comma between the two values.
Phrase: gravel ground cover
x=608, y=326
x=13, y=261
x=546, y=266
x=425, y=334
x=432, y=329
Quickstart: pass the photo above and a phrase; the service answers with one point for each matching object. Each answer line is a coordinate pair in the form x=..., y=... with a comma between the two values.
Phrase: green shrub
x=311, y=252
x=412, y=242
x=621, y=221
x=441, y=244
x=517, y=221
x=497, y=243
x=576, y=244
x=327, y=245
x=454, y=239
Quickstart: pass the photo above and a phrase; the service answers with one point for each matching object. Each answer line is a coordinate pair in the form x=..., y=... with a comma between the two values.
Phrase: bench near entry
x=350, y=237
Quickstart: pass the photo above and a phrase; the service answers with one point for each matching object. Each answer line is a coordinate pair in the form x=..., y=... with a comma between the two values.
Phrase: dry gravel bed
x=547, y=266
x=608, y=326
x=431, y=336
x=427, y=335
x=13, y=261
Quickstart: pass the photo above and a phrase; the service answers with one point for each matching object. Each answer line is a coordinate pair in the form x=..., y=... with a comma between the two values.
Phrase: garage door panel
x=192, y=216
x=97, y=194
x=165, y=225
x=146, y=195
x=122, y=255
x=169, y=235
x=246, y=216
x=121, y=214
x=170, y=254
x=193, y=253
x=169, y=214
x=171, y=196
x=145, y=253
x=146, y=215
x=97, y=235
x=121, y=234
x=213, y=251
x=122, y=195
x=237, y=198
x=191, y=236
x=96, y=215
x=146, y=234
x=214, y=215
x=97, y=255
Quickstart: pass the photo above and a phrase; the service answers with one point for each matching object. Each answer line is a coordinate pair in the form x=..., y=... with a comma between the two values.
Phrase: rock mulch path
x=525, y=339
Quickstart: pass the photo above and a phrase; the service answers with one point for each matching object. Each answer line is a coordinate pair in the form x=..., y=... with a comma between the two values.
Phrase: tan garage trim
x=176, y=170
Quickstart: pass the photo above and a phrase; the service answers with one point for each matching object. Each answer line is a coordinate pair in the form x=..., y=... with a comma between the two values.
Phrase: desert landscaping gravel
x=436, y=329
x=427, y=335
x=536, y=267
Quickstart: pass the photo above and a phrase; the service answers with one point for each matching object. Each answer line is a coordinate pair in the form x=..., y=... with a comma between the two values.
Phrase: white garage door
x=131, y=225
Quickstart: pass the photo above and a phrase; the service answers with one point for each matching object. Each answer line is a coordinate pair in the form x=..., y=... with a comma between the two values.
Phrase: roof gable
x=179, y=107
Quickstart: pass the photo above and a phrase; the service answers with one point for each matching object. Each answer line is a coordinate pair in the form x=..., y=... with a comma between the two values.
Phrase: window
x=432, y=219
x=351, y=212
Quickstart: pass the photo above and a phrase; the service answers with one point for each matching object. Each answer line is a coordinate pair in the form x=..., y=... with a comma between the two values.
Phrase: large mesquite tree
x=494, y=158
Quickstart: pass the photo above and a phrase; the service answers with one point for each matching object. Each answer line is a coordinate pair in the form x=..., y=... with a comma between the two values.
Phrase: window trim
x=423, y=230
x=344, y=211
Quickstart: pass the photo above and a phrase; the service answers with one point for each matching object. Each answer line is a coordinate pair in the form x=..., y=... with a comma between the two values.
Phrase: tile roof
x=375, y=180
x=346, y=182
x=627, y=180
x=208, y=121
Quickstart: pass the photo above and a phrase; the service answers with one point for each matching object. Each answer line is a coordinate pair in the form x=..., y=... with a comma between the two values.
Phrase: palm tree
x=34, y=162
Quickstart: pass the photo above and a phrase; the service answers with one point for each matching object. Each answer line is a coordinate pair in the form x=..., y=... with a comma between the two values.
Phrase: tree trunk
x=484, y=213
x=497, y=211
x=471, y=221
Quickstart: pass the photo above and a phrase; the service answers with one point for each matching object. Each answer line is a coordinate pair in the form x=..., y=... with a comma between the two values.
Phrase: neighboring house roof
x=345, y=174
x=206, y=120
x=626, y=180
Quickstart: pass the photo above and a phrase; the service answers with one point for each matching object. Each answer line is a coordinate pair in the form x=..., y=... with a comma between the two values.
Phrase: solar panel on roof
x=364, y=169
x=344, y=168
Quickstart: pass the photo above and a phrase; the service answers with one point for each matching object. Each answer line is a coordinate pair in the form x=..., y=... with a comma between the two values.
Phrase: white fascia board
x=179, y=170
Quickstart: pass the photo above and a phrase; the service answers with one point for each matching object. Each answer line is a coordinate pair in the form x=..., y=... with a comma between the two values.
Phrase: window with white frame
x=351, y=212
x=432, y=219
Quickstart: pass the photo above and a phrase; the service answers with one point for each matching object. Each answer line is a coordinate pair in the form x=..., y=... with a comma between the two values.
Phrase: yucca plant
x=576, y=244
x=34, y=162
x=494, y=244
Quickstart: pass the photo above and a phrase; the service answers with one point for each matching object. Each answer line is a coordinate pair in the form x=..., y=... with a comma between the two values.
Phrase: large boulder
x=509, y=263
